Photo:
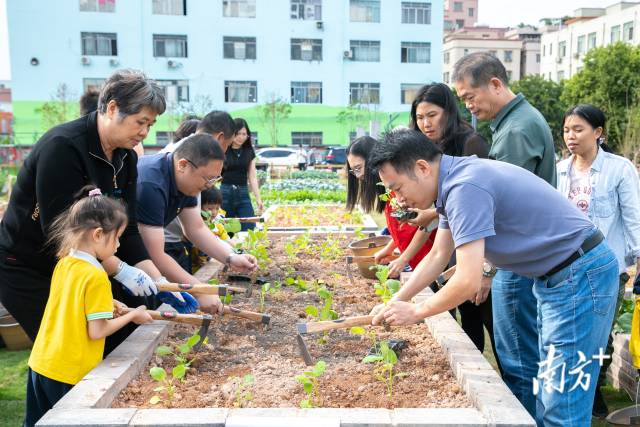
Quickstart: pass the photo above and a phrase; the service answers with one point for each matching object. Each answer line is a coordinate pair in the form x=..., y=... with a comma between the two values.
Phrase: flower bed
x=335, y=217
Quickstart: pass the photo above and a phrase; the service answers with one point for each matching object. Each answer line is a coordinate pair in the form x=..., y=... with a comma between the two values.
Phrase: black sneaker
x=600, y=409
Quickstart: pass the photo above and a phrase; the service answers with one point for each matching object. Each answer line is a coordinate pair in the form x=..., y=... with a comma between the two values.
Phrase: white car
x=281, y=156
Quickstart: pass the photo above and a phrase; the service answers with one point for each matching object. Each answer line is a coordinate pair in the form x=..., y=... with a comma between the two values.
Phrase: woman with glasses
x=238, y=171
x=95, y=149
x=168, y=187
x=364, y=189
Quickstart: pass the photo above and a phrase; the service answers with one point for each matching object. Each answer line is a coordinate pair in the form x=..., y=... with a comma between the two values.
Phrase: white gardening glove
x=163, y=280
x=135, y=281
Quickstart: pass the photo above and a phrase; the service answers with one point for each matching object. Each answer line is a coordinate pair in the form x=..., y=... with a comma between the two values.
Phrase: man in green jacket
x=521, y=136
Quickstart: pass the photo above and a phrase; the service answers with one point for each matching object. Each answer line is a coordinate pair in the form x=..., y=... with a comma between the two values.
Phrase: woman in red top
x=363, y=189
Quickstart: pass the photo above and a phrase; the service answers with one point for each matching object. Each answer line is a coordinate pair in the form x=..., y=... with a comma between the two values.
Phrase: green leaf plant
x=385, y=367
x=309, y=381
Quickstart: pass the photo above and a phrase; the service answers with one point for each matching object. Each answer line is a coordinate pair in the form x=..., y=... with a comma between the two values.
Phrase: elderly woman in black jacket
x=94, y=149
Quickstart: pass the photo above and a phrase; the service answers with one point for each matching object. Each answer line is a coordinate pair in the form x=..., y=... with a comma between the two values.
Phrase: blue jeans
x=516, y=334
x=575, y=314
x=237, y=203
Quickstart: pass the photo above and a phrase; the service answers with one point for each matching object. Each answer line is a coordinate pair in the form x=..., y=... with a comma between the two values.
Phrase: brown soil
x=237, y=347
x=313, y=216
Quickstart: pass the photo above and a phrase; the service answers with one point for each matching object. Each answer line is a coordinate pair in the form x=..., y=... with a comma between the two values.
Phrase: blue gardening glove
x=135, y=281
x=183, y=302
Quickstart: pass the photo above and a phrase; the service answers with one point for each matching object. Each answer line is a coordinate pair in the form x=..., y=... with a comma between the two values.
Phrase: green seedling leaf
x=154, y=400
x=158, y=373
x=163, y=350
x=193, y=340
x=184, y=348
x=301, y=378
x=393, y=285
x=358, y=330
x=248, y=379
x=319, y=368
x=308, y=387
x=179, y=371
x=214, y=281
x=311, y=311
x=324, y=294
x=372, y=359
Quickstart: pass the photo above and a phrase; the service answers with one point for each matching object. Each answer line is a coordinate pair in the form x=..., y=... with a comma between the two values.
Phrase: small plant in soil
x=385, y=288
x=298, y=282
x=242, y=393
x=329, y=249
x=256, y=244
x=181, y=356
x=309, y=381
x=325, y=312
x=369, y=333
x=385, y=369
x=267, y=289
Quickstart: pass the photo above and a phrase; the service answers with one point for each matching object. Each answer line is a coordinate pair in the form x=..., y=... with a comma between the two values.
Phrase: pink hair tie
x=95, y=192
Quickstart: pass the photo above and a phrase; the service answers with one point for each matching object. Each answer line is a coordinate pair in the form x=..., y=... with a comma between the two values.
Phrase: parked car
x=281, y=156
x=336, y=156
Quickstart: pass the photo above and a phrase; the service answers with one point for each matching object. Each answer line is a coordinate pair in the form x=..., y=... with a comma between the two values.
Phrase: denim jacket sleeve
x=629, y=200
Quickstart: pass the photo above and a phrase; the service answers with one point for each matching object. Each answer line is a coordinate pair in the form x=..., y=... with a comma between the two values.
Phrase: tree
x=61, y=109
x=545, y=95
x=273, y=112
x=609, y=80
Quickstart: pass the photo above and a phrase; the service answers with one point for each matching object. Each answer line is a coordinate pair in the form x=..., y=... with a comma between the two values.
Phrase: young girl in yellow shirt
x=79, y=313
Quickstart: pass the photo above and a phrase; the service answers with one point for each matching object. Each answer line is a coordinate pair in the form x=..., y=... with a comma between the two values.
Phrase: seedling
x=369, y=333
x=269, y=289
x=309, y=381
x=330, y=249
x=298, y=282
x=384, y=371
x=385, y=288
x=167, y=383
x=256, y=244
x=242, y=392
x=326, y=311
x=358, y=234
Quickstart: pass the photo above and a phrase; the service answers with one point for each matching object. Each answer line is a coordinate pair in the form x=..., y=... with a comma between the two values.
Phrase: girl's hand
x=260, y=207
x=380, y=256
x=140, y=316
x=118, y=308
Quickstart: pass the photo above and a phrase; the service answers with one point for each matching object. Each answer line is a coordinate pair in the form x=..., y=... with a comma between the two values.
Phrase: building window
x=306, y=49
x=92, y=84
x=471, y=12
x=169, y=46
x=445, y=77
x=365, y=50
x=537, y=58
x=364, y=10
x=98, y=6
x=239, y=47
x=550, y=49
x=465, y=52
x=416, y=13
x=615, y=33
x=175, y=90
x=306, y=92
x=580, y=46
x=163, y=137
x=459, y=23
x=408, y=92
x=169, y=7
x=239, y=8
x=508, y=56
x=240, y=91
x=627, y=31
x=457, y=6
x=494, y=53
x=562, y=49
x=306, y=9
x=560, y=76
x=544, y=49
x=447, y=57
x=415, y=52
x=591, y=41
x=364, y=93
x=306, y=138
x=103, y=44
x=509, y=74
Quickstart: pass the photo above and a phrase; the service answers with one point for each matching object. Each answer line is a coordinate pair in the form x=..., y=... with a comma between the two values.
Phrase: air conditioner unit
x=85, y=60
x=320, y=25
x=173, y=64
x=348, y=54
x=114, y=62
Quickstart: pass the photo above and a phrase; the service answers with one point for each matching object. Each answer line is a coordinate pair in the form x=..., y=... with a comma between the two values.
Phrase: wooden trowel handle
x=329, y=325
x=172, y=316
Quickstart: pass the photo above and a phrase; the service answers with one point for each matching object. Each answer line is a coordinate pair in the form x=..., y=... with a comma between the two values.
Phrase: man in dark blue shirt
x=168, y=186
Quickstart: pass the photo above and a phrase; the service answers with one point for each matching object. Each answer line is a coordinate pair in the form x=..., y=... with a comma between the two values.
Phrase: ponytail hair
x=89, y=211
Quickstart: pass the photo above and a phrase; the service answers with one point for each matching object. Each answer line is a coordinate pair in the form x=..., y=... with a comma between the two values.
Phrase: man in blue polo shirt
x=168, y=186
x=516, y=221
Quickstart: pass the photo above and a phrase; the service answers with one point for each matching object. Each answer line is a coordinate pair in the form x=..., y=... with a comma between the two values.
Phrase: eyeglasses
x=357, y=171
x=210, y=182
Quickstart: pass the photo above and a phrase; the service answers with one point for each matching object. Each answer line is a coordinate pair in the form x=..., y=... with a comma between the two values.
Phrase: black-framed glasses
x=210, y=182
x=357, y=171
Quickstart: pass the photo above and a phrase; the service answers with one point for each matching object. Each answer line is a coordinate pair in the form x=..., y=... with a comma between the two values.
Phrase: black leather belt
x=589, y=243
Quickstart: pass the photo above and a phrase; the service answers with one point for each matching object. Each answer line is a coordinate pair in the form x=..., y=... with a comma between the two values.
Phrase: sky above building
x=5, y=70
x=501, y=13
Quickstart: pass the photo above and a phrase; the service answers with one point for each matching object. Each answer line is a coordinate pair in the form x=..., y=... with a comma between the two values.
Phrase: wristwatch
x=488, y=270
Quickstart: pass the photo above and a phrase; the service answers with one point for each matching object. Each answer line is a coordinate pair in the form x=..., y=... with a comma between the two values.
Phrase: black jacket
x=65, y=159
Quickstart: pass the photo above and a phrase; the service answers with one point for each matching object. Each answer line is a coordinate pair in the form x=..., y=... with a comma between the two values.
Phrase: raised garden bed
x=449, y=381
x=323, y=218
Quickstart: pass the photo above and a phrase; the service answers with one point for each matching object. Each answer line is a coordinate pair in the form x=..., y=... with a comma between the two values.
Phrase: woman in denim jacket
x=606, y=188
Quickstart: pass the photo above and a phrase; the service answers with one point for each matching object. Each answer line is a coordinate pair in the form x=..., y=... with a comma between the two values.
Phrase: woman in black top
x=240, y=169
x=434, y=112
x=94, y=149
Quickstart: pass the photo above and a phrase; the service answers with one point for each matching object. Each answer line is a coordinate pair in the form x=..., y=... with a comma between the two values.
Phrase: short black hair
x=200, y=149
x=217, y=121
x=89, y=102
x=132, y=91
x=402, y=148
x=211, y=196
x=479, y=68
